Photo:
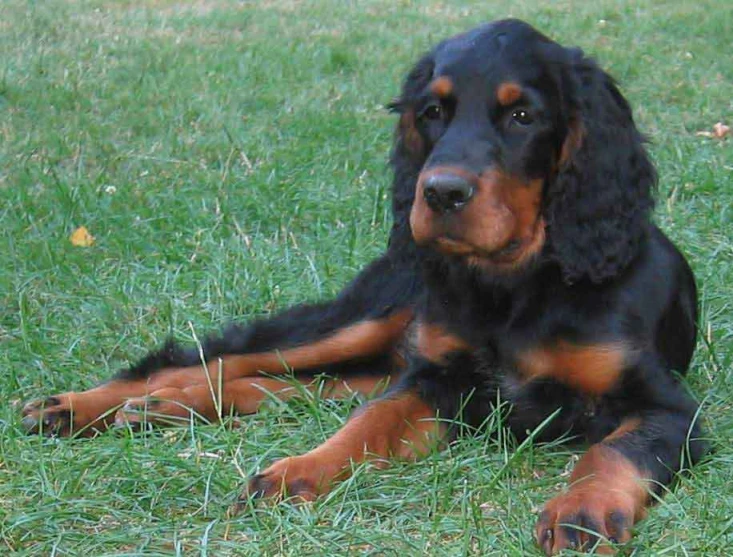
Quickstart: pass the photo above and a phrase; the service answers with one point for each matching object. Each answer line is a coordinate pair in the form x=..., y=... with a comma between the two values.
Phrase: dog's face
x=493, y=128
x=493, y=118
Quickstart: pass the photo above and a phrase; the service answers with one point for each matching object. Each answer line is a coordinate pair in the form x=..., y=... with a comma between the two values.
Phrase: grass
x=229, y=158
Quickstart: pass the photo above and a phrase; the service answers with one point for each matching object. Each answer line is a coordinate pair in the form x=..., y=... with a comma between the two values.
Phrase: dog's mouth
x=453, y=246
x=516, y=252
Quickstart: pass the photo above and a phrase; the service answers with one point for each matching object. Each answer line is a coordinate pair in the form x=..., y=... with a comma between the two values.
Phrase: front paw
x=296, y=477
x=587, y=518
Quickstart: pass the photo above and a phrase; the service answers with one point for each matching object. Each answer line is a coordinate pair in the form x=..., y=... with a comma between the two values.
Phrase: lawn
x=229, y=159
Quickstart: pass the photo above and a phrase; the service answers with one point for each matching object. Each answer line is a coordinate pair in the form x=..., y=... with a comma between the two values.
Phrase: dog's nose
x=447, y=192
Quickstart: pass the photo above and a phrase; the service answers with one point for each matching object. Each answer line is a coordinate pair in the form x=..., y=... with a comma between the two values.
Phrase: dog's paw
x=162, y=408
x=294, y=477
x=84, y=413
x=299, y=479
x=50, y=416
x=586, y=519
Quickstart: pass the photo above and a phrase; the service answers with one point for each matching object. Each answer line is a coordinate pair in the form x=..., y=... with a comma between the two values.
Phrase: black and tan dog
x=522, y=264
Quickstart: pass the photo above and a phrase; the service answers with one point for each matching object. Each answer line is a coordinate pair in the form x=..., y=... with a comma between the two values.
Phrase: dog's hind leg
x=173, y=406
x=360, y=328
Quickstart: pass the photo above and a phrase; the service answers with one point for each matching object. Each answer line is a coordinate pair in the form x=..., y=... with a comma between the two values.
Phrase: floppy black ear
x=410, y=149
x=599, y=203
x=408, y=142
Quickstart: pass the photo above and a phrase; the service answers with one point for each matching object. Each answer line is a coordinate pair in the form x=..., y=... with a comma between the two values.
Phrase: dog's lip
x=458, y=247
x=454, y=246
x=507, y=256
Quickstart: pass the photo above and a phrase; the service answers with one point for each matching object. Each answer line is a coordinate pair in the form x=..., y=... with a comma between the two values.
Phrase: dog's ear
x=410, y=149
x=408, y=141
x=599, y=203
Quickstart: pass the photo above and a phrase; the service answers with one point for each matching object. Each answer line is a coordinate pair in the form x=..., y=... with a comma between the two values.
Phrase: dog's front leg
x=617, y=479
x=398, y=425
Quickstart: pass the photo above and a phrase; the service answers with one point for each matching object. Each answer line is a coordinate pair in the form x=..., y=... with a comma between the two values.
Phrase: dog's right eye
x=522, y=117
x=433, y=112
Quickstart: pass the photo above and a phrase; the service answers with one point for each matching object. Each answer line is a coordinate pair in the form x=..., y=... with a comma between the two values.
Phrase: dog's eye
x=522, y=117
x=433, y=112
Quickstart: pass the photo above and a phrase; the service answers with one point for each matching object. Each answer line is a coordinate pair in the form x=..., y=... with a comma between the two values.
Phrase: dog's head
x=524, y=151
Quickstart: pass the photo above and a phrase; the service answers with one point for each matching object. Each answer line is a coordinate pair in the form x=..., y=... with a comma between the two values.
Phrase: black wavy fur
x=599, y=205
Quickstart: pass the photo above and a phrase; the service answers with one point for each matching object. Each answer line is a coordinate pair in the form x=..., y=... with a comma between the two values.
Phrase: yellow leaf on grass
x=720, y=130
x=81, y=237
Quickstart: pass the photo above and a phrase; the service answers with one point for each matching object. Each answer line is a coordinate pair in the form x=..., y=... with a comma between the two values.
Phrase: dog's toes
x=48, y=416
x=294, y=478
x=140, y=414
x=585, y=520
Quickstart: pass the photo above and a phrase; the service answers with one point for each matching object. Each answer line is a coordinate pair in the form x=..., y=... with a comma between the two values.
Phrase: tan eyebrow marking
x=508, y=93
x=442, y=86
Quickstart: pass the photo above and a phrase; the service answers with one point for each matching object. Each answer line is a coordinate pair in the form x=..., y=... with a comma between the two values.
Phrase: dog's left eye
x=433, y=112
x=522, y=117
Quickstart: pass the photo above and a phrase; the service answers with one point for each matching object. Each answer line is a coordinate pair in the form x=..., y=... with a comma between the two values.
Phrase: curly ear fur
x=598, y=205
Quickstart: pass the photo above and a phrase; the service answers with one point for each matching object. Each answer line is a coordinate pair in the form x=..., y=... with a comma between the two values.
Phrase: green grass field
x=230, y=160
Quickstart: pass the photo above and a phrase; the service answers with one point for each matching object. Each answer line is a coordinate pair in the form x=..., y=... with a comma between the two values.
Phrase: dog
x=522, y=266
